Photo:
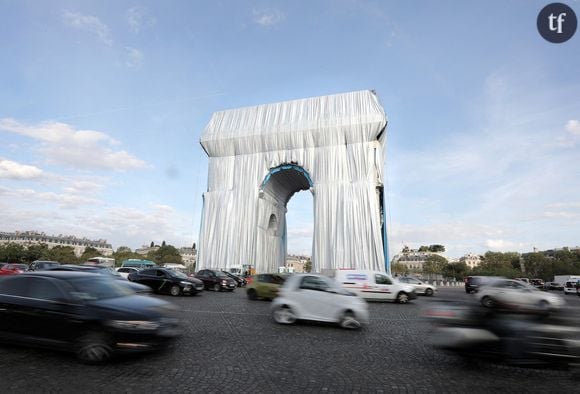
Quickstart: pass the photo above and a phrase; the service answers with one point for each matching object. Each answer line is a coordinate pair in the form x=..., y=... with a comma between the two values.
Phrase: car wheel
x=487, y=302
x=252, y=295
x=94, y=348
x=216, y=287
x=175, y=290
x=402, y=298
x=428, y=292
x=349, y=321
x=284, y=315
x=544, y=306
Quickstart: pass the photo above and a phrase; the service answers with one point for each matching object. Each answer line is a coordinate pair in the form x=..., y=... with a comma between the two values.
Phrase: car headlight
x=224, y=282
x=184, y=283
x=134, y=324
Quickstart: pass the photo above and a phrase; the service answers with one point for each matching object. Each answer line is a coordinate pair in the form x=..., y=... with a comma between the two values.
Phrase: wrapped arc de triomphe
x=260, y=156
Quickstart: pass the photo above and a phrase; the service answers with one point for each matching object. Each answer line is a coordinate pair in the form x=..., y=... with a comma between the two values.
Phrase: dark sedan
x=88, y=314
x=136, y=287
x=553, y=286
x=163, y=280
x=216, y=280
x=240, y=282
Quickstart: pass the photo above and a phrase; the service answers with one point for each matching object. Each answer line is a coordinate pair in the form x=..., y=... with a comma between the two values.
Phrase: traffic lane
x=231, y=344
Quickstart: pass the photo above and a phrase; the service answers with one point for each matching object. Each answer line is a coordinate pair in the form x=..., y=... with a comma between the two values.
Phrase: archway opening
x=279, y=186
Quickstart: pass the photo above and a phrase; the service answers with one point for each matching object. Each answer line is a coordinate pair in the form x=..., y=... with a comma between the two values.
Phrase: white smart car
x=319, y=298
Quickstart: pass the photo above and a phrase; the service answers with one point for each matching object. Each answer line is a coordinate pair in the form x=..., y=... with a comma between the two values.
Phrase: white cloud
x=63, y=144
x=134, y=57
x=268, y=17
x=67, y=200
x=573, y=127
x=13, y=170
x=137, y=18
x=502, y=245
x=90, y=24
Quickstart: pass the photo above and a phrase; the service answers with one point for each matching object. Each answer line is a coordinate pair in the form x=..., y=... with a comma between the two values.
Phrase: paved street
x=231, y=345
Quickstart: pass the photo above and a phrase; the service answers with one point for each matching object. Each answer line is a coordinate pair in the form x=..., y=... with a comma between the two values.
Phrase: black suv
x=216, y=280
x=43, y=265
x=473, y=283
x=164, y=280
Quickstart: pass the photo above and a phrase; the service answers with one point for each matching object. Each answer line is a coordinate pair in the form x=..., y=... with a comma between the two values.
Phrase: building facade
x=295, y=264
x=471, y=260
x=27, y=238
x=412, y=261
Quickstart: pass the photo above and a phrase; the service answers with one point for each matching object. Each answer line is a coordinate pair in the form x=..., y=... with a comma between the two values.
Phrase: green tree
x=538, y=266
x=63, y=254
x=499, y=264
x=36, y=252
x=166, y=254
x=423, y=248
x=456, y=270
x=308, y=266
x=434, y=265
x=399, y=269
x=436, y=248
x=12, y=252
x=124, y=249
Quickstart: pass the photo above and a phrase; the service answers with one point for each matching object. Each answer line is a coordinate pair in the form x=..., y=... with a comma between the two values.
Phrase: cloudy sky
x=102, y=104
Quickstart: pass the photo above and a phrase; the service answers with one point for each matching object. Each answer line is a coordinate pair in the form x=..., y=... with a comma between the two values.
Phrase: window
x=44, y=289
x=160, y=274
x=148, y=272
x=314, y=283
x=382, y=280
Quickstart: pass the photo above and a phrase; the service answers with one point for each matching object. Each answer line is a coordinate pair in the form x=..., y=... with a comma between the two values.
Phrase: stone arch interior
x=284, y=181
x=278, y=187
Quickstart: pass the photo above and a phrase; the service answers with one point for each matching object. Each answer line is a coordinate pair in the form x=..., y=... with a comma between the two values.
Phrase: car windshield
x=91, y=289
x=178, y=274
x=221, y=274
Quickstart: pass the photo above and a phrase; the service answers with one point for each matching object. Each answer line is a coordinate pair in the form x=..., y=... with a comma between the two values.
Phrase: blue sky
x=102, y=104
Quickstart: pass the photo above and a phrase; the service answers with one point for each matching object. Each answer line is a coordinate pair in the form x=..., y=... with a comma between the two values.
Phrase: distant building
x=413, y=260
x=471, y=260
x=295, y=264
x=144, y=250
x=188, y=256
x=27, y=238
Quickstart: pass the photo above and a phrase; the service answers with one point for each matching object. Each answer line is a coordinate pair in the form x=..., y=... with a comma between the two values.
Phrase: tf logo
x=557, y=23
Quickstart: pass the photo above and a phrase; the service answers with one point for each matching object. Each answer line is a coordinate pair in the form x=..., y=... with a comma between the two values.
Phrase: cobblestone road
x=230, y=345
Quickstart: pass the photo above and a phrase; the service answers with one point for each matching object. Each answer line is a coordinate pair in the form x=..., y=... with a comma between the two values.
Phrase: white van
x=373, y=285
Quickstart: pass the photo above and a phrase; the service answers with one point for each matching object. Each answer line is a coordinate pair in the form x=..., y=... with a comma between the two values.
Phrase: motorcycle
x=472, y=331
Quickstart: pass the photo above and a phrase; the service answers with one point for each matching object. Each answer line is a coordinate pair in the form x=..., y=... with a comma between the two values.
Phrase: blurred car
x=553, y=286
x=12, y=269
x=240, y=282
x=90, y=315
x=318, y=298
x=515, y=295
x=420, y=286
x=216, y=280
x=100, y=270
x=525, y=280
x=163, y=280
x=265, y=286
x=474, y=283
x=41, y=265
x=125, y=271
